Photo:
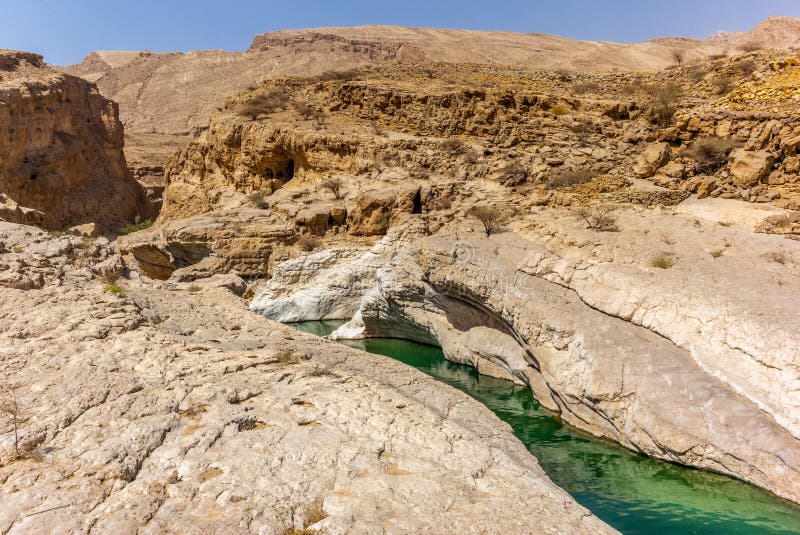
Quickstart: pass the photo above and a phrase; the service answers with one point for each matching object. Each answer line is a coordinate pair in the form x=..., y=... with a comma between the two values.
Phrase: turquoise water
x=628, y=491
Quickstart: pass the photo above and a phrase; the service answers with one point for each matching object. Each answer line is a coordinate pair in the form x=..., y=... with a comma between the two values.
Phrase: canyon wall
x=61, y=147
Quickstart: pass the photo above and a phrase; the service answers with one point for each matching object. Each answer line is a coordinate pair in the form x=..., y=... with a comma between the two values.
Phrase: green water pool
x=628, y=491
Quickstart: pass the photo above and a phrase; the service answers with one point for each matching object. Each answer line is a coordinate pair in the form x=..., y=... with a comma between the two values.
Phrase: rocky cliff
x=61, y=148
x=175, y=93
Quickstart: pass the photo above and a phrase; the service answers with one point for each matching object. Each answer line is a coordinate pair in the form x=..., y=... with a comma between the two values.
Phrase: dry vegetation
x=492, y=217
x=598, y=217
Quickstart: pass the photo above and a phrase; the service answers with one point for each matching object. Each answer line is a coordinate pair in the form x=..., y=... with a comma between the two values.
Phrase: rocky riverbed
x=156, y=406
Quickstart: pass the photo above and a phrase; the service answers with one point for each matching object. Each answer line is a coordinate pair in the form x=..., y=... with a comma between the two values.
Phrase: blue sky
x=64, y=31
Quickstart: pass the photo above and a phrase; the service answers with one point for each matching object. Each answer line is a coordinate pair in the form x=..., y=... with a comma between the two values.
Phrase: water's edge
x=630, y=492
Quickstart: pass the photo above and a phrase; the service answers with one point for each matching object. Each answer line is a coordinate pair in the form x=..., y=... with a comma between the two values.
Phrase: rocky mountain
x=175, y=93
x=624, y=244
x=61, y=159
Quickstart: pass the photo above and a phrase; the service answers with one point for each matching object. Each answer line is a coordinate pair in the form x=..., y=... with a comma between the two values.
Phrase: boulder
x=14, y=213
x=706, y=186
x=375, y=207
x=314, y=219
x=749, y=167
x=654, y=156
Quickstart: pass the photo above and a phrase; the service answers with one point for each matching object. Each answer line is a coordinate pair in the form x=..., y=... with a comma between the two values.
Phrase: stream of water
x=630, y=492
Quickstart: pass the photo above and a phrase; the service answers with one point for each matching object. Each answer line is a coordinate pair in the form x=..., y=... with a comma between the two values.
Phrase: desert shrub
x=137, y=225
x=599, y=217
x=570, y=177
x=318, y=115
x=716, y=253
x=678, y=56
x=11, y=409
x=565, y=75
x=193, y=288
x=662, y=262
x=581, y=88
x=350, y=74
x=558, y=110
x=113, y=289
x=723, y=84
x=709, y=152
x=304, y=109
x=309, y=243
x=492, y=217
x=286, y=355
x=454, y=147
x=751, y=46
x=747, y=67
x=258, y=199
x=513, y=174
x=664, y=103
x=334, y=185
x=269, y=102
x=697, y=74
x=779, y=257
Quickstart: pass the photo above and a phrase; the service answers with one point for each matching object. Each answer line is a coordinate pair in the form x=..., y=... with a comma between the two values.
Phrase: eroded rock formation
x=182, y=411
x=61, y=148
x=704, y=376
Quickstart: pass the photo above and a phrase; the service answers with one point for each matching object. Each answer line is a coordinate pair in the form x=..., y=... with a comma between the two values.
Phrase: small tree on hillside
x=664, y=104
x=11, y=410
x=268, y=102
x=678, y=56
x=304, y=109
x=491, y=217
x=598, y=217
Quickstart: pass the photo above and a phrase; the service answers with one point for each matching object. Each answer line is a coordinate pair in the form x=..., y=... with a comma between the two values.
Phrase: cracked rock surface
x=171, y=408
x=696, y=364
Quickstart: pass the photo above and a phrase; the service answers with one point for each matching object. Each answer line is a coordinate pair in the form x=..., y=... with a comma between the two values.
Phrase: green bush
x=136, y=226
x=558, y=110
x=113, y=289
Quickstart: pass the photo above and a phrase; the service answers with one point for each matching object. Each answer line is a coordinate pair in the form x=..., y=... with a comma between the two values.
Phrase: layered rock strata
x=61, y=147
x=705, y=377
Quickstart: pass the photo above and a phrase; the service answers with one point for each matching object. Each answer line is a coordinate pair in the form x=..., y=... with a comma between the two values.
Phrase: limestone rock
x=184, y=412
x=654, y=156
x=240, y=242
x=376, y=206
x=749, y=167
x=61, y=148
x=729, y=347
